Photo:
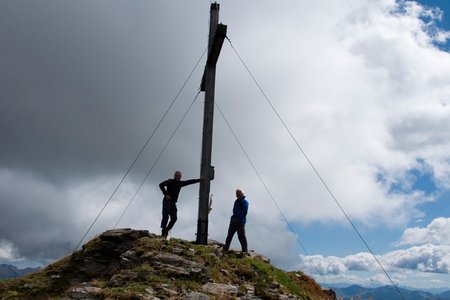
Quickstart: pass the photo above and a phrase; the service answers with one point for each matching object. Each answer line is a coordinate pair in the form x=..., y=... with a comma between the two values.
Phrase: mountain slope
x=134, y=264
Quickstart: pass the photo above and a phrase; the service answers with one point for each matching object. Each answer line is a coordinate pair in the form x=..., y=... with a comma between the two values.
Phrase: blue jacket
x=240, y=210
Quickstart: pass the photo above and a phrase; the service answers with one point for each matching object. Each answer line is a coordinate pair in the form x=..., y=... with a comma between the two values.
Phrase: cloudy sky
x=363, y=85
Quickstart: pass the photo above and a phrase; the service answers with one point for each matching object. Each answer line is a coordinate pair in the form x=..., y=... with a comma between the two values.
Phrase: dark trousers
x=169, y=209
x=236, y=225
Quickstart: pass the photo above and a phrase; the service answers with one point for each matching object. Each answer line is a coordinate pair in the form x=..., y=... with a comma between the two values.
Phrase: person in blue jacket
x=171, y=189
x=237, y=222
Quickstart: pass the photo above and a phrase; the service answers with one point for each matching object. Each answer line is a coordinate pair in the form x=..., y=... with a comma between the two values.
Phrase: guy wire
x=314, y=169
x=140, y=152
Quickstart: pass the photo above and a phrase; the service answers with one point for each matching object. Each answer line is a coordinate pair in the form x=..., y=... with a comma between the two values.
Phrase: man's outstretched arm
x=190, y=181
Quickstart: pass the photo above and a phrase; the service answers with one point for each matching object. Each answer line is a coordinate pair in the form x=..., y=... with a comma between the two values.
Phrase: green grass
x=269, y=274
x=126, y=292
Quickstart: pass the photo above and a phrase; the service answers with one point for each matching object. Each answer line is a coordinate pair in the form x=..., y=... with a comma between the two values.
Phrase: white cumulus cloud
x=437, y=232
x=425, y=258
x=7, y=251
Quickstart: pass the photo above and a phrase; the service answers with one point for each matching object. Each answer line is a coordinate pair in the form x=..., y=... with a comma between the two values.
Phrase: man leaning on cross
x=171, y=189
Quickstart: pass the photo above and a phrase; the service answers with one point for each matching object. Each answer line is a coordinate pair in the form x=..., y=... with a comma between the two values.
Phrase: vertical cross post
x=217, y=33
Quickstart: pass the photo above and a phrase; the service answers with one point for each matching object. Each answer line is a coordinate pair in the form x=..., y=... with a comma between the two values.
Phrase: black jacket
x=172, y=187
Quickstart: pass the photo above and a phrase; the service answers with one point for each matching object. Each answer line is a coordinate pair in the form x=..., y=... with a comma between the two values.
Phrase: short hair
x=240, y=191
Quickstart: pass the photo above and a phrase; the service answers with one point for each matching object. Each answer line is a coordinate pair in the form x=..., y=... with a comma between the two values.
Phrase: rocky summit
x=136, y=264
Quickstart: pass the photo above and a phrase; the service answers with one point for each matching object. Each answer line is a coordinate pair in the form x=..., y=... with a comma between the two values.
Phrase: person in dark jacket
x=238, y=220
x=171, y=189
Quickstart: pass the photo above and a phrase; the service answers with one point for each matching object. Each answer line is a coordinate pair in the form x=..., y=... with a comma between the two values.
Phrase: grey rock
x=176, y=271
x=120, y=235
x=93, y=265
x=145, y=297
x=149, y=290
x=287, y=297
x=225, y=272
x=126, y=276
x=177, y=250
x=195, y=296
x=84, y=292
x=120, y=240
x=149, y=295
x=105, y=258
x=129, y=259
x=212, y=255
x=180, y=266
x=275, y=285
x=256, y=255
x=215, y=243
x=220, y=289
x=169, y=290
x=249, y=289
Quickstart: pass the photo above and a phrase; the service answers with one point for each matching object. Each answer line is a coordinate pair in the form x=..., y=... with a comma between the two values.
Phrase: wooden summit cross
x=217, y=34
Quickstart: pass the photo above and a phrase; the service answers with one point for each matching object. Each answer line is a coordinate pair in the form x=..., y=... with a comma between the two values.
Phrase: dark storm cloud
x=83, y=84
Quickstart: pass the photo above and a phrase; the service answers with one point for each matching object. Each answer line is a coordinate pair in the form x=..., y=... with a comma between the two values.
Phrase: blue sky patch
x=444, y=23
x=416, y=179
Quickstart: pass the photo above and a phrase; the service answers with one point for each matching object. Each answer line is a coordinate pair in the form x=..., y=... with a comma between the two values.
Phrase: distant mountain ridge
x=354, y=292
x=10, y=271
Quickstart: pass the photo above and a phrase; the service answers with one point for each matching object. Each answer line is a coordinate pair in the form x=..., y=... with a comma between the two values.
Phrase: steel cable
x=314, y=168
x=140, y=152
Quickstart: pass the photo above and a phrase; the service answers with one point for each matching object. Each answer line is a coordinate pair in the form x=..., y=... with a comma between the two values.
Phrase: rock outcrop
x=135, y=264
